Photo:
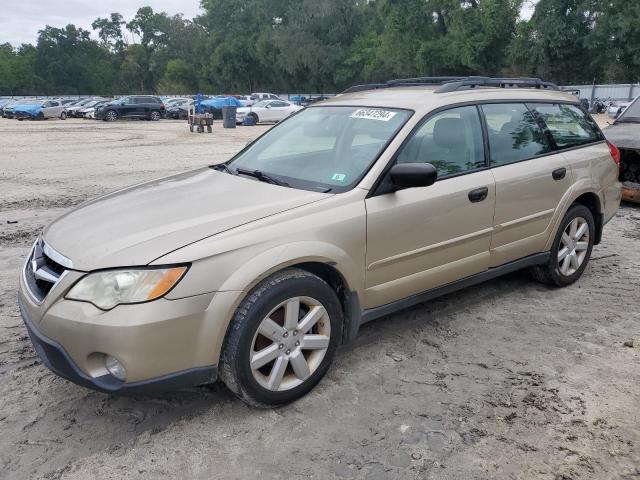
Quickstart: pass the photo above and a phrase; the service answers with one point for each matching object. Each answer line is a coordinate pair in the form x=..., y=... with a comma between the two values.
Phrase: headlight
x=114, y=287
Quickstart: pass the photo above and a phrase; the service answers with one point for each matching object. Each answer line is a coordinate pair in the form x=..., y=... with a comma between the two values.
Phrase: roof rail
x=421, y=81
x=476, y=82
x=368, y=86
x=452, y=84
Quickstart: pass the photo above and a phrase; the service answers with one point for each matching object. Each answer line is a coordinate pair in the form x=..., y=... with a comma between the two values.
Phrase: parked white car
x=90, y=110
x=264, y=96
x=267, y=111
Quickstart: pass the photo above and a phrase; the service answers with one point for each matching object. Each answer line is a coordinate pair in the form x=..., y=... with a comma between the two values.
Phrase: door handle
x=559, y=173
x=478, y=194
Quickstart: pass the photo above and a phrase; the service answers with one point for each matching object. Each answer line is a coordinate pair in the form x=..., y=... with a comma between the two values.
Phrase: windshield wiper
x=263, y=177
x=225, y=167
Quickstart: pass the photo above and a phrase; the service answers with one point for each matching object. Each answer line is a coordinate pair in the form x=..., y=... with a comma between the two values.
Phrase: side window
x=451, y=141
x=569, y=126
x=141, y=100
x=514, y=134
x=279, y=104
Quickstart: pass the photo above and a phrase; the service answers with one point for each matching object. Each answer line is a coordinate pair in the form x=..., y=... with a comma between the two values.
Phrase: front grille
x=41, y=272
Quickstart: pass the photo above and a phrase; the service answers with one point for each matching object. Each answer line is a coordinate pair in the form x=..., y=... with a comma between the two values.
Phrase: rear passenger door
x=531, y=179
x=422, y=238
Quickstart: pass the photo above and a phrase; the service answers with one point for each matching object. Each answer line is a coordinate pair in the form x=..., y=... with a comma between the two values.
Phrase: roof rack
x=452, y=84
x=475, y=82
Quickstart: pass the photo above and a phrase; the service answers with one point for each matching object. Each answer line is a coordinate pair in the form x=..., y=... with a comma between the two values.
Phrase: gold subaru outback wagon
x=254, y=271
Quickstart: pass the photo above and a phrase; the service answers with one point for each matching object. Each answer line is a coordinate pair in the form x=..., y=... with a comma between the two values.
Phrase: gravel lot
x=506, y=380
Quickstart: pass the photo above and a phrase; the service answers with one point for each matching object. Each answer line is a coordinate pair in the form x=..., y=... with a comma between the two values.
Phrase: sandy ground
x=506, y=380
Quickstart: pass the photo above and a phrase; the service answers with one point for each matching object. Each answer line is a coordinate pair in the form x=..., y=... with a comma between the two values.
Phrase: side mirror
x=407, y=175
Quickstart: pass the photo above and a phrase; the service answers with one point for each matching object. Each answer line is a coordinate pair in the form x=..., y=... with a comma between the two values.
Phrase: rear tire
x=154, y=116
x=282, y=339
x=571, y=249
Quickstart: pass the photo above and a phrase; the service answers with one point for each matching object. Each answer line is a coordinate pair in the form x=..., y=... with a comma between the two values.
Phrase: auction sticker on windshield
x=373, y=114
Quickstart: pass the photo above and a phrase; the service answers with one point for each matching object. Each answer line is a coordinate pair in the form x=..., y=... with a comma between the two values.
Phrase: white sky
x=20, y=20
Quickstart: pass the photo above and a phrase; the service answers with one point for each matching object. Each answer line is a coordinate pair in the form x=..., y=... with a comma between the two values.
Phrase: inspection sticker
x=373, y=114
x=339, y=177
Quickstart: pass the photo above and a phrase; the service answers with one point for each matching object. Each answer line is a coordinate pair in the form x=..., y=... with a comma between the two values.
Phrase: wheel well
x=348, y=299
x=592, y=202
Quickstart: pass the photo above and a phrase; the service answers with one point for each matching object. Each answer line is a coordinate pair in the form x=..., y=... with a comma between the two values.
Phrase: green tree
x=110, y=31
x=553, y=44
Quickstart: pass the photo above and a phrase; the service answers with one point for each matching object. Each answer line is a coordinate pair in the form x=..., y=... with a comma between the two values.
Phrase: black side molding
x=389, y=308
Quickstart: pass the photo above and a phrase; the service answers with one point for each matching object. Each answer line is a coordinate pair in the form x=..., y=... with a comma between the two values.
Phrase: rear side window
x=514, y=133
x=569, y=126
x=451, y=141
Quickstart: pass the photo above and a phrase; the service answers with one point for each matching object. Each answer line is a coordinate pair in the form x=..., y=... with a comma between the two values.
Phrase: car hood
x=137, y=225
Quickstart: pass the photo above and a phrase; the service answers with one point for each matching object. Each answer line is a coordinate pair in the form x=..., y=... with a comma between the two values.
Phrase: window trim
x=375, y=189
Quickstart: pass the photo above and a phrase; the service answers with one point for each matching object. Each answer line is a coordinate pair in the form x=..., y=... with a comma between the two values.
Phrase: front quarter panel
x=331, y=231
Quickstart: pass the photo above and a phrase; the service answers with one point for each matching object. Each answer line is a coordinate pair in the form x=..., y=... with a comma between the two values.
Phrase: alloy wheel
x=574, y=244
x=290, y=343
x=155, y=116
x=111, y=116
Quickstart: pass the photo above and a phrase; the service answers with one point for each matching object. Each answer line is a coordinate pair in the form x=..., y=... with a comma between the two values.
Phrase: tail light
x=615, y=153
x=162, y=106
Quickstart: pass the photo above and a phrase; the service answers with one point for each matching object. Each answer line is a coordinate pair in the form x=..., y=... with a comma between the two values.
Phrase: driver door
x=422, y=238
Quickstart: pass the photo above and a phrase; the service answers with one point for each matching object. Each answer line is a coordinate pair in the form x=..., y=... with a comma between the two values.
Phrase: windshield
x=323, y=148
x=631, y=114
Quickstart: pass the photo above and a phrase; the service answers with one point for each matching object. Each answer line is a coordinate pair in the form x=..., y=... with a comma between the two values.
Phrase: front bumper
x=24, y=116
x=55, y=357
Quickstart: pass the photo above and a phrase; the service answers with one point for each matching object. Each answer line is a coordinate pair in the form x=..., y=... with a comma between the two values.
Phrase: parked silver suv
x=255, y=270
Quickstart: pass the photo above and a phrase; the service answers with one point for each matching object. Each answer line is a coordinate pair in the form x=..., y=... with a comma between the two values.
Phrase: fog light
x=115, y=368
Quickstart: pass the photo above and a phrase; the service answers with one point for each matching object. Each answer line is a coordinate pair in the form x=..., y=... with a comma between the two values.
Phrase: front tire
x=111, y=116
x=63, y=116
x=571, y=249
x=282, y=339
x=254, y=116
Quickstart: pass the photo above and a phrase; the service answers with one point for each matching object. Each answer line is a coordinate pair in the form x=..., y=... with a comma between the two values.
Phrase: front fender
x=232, y=291
x=242, y=269
x=285, y=256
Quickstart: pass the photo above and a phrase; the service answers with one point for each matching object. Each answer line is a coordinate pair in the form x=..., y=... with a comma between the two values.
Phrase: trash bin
x=229, y=116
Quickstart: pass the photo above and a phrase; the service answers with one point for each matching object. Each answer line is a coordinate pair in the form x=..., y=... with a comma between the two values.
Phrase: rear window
x=514, y=134
x=569, y=126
